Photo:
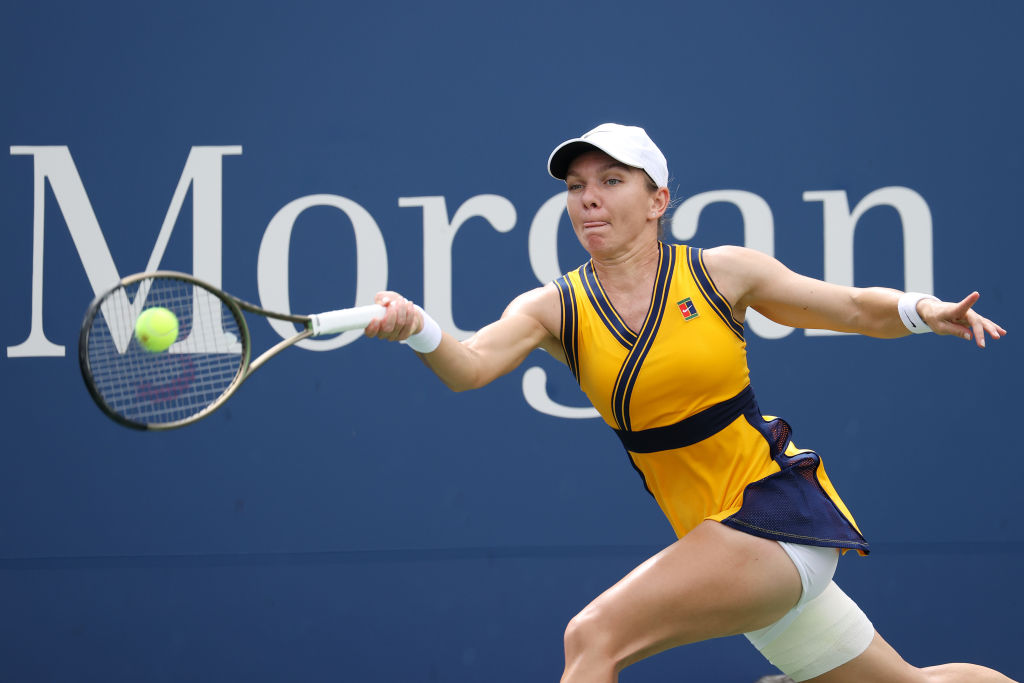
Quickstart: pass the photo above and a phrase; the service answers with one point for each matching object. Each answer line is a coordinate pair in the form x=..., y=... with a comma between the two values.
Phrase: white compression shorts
x=824, y=630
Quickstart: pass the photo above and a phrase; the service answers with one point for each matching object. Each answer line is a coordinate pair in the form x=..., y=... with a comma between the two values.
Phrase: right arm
x=531, y=321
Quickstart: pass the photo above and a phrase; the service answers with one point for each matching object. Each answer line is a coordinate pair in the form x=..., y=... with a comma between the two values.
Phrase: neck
x=631, y=270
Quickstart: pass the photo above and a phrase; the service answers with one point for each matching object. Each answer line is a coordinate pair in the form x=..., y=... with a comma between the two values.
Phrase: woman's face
x=611, y=205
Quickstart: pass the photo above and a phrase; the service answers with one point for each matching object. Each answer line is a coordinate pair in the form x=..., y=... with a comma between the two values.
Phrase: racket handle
x=333, y=322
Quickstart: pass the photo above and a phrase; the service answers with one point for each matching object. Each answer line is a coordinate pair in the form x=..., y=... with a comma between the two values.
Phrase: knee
x=950, y=673
x=585, y=636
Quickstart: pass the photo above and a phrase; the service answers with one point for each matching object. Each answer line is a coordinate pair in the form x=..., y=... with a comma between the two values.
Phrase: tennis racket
x=205, y=365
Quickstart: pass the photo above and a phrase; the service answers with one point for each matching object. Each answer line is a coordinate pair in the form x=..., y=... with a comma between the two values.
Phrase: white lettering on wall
x=543, y=248
x=202, y=172
x=758, y=233
x=840, y=224
x=438, y=236
x=542, y=241
x=536, y=394
x=272, y=263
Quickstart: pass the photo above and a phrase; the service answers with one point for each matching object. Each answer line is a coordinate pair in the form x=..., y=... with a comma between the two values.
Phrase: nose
x=589, y=197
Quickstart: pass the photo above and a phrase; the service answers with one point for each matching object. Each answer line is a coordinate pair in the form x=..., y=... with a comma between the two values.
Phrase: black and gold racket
x=163, y=350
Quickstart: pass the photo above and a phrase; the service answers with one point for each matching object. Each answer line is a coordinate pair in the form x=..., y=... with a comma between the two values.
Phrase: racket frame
x=234, y=304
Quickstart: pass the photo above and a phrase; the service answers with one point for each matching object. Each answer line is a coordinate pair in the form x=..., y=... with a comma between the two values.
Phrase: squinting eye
x=574, y=186
x=613, y=181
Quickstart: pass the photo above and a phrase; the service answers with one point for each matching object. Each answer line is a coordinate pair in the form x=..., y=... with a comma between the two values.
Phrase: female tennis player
x=760, y=525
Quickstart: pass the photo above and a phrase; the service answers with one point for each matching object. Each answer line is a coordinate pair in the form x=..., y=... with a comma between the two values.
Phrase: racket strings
x=160, y=388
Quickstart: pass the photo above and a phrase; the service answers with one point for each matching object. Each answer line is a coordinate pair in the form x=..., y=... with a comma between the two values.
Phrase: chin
x=593, y=243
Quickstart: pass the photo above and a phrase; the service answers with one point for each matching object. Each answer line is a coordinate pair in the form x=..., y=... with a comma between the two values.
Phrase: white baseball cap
x=628, y=144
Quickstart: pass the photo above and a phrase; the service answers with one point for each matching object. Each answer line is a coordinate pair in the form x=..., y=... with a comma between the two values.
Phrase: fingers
x=978, y=330
x=399, y=321
x=962, y=321
x=960, y=311
x=982, y=326
x=955, y=319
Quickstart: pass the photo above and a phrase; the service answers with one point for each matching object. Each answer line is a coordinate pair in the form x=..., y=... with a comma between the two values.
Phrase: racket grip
x=333, y=322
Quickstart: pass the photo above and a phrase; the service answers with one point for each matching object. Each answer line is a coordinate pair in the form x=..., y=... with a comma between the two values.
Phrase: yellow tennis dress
x=677, y=392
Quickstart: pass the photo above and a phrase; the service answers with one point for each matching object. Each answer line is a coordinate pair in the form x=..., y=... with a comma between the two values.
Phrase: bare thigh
x=713, y=582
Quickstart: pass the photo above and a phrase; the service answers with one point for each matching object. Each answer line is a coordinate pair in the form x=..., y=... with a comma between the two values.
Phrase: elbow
x=463, y=383
x=873, y=315
x=873, y=327
x=467, y=374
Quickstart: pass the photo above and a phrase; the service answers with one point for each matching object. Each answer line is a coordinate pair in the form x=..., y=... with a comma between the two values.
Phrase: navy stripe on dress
x=634, y=361
x=691, y=430
x=570, y=341
x=604, y=308
x=718, y=302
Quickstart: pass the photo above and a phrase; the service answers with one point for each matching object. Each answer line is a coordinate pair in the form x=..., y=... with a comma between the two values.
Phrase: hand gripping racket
x=204, y=366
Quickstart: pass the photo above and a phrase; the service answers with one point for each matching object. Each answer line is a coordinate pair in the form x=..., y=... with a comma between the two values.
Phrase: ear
x=659, y=202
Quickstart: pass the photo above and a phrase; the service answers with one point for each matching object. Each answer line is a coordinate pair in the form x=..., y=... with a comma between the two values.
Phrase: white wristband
x=427, y=339
x=908, y=311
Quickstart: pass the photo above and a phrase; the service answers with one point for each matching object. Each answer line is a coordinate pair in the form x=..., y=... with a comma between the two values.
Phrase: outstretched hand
x=400, y=319
x=959, y=319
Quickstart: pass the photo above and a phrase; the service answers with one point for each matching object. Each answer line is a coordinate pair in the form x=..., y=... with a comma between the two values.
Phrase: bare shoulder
x=543, y=307
x=729, y=256
x=730, y=268
x=543, y=304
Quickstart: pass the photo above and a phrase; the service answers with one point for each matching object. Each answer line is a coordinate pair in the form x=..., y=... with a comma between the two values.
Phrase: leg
x=955, y=673
x=831, y=640
x=881, y=663
x=714, y=582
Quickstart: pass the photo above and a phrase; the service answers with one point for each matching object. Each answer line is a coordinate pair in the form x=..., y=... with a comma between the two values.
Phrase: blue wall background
x=347, y=518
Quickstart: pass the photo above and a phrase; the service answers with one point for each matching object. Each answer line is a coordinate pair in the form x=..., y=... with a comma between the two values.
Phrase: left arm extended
x=748, y=278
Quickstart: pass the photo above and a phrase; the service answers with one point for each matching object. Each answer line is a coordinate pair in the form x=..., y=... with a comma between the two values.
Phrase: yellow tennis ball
x=156, y=329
